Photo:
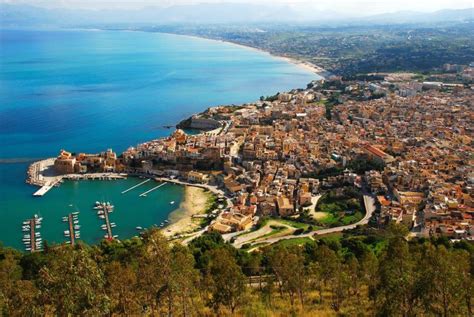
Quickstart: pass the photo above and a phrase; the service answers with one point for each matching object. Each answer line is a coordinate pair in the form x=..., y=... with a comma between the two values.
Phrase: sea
x=90, y=90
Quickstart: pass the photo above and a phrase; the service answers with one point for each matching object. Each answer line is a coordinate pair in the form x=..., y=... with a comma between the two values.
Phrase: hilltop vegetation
x=363, y=274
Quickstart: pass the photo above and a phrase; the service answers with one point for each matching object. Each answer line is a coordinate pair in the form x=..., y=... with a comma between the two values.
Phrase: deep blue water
x=92, y=90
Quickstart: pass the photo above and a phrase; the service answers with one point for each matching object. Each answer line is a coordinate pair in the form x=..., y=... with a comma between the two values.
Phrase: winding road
x=369, y=203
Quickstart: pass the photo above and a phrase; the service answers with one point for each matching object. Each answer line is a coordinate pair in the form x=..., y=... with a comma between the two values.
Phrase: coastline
x=302, y=64
x=321, y=72
x=181, y=220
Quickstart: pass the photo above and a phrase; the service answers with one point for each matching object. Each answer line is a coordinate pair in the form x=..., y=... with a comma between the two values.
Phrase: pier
x=135, y=186
x=45, y=188
x=154, y=188
x=73, y=233
x=32, y=235
x=31, y=238
x=107, y=223
x=105, y=209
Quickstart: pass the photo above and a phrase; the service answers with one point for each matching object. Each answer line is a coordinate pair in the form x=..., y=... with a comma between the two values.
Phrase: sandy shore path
x=181, y=221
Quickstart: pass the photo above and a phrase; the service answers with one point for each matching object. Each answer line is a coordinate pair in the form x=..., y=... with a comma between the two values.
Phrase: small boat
x=101, y=216
x=77, y=227
x=116, y=236
x=106, y=236
x=76, y=222
x=172, y=202
x=166, y=221
x=26, y=222
x=64, y=219
x=113, y=225
x=68, y=242
x=139, y=228
x=38, y=226
x=66, y=231
x=97, y=202
x=75, y=213
x=28, y=249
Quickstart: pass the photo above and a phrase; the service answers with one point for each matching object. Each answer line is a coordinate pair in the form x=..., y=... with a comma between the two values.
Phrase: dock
x=106, y=209
x=135, y=186
x=107, y=223
x=72, y=230
x=46, y=188
x=31, y=238
x=32, y=235
x=154, y=188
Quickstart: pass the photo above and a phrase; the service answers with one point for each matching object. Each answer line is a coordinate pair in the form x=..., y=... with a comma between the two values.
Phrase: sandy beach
x=195, y=201
x=303, y=64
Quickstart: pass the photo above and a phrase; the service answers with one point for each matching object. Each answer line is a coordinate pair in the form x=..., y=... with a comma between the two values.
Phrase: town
x=406, y=143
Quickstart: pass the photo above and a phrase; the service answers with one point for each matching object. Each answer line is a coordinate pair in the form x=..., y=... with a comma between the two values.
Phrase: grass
x=293, y=242
x=294, y=224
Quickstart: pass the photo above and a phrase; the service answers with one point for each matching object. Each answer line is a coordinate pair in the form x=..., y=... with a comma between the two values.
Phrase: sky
x=356, y=7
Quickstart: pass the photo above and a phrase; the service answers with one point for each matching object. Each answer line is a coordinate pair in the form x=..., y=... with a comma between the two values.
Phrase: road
x=369, y=203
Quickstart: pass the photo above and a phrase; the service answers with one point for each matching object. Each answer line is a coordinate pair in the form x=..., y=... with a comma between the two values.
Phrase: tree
x=444, y=273
x=73, y=283
x=224, y=280
x=395, y=290
x=288, y=266
x=329, y=262
x=154, y=270
x=183, y=280
x=122, y=289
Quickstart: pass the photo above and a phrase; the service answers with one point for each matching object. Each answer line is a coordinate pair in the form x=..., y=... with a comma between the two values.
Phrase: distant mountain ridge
x=24, y=15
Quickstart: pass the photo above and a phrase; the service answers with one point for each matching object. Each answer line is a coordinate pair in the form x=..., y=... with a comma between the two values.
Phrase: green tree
x=154, y=270
x=396, y=288
x=443, y=274
x=184, y=279
x=288, y=266
x=122, y=289
x=224, y=280
x=73, y=283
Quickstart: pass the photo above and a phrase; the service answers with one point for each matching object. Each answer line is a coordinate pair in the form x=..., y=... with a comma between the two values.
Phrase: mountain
x=420, y=17
x=30, y=16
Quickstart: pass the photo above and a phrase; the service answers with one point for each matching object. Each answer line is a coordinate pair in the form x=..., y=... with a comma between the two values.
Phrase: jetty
x=45, y=188
x=73, y=233
x=154, y=188
x=32, y=240
x=105, y=209
x=135, y=186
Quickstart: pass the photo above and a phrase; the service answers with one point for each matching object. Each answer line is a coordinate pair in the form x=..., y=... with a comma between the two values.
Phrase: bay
x=91, y=90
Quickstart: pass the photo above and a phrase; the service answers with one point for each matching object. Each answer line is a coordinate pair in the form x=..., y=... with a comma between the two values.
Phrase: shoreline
x=181, y=220
x=315, y=69
x=299, y=63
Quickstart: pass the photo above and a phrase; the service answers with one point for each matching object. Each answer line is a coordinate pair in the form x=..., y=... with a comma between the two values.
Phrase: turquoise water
x=91, y=90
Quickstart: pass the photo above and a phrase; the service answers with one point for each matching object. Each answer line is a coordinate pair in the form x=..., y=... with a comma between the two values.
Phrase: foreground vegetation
x=364, y=273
